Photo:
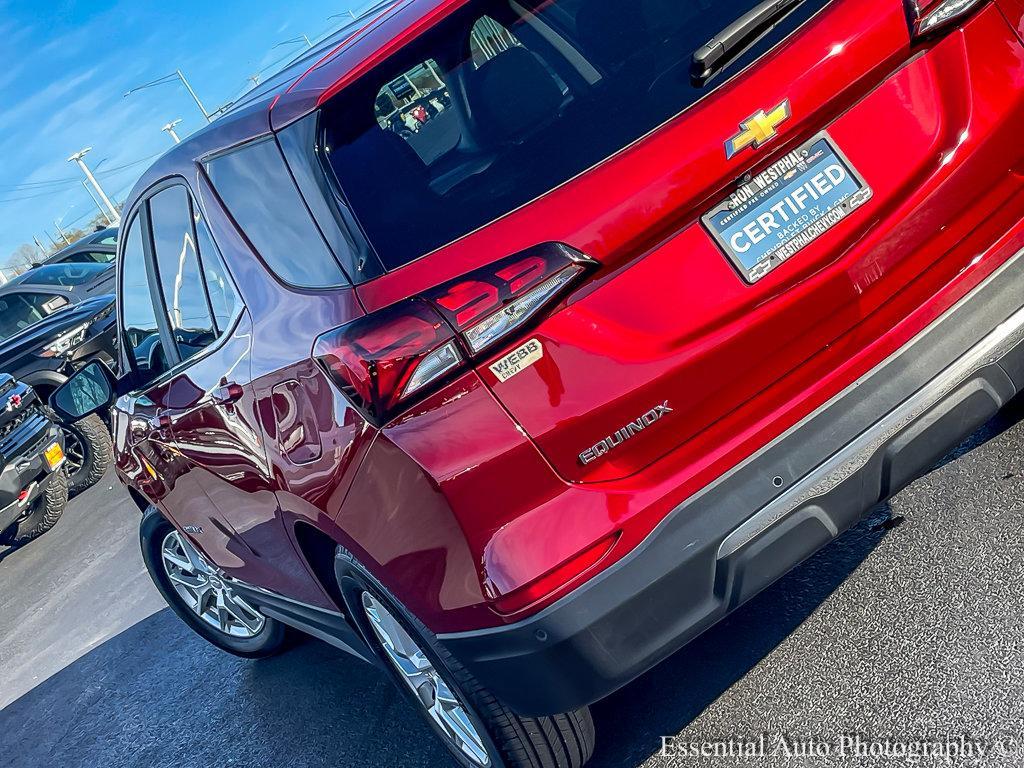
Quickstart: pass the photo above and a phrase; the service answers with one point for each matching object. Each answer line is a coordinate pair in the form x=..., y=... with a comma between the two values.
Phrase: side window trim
x=303, y=149
x=240, y=306
x=199, y=262
x=175, y=364
x=140, y=217
x=170, y=349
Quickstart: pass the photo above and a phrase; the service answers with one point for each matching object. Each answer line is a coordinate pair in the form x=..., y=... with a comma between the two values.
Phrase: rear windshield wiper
x=732, y=41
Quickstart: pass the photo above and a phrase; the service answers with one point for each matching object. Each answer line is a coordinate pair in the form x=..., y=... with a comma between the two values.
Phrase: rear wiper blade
x=732, y=41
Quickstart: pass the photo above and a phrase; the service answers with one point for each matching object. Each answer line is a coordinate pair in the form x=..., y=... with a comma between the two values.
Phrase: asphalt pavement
x=909, y=628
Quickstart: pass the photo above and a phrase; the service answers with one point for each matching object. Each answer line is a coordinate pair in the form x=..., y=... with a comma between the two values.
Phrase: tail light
x=389, y=359
x=385, y=359
x=487, y=305
x=560, y=577
x=927, y=16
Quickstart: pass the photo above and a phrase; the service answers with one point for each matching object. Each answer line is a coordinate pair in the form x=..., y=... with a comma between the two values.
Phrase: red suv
x=510, y=344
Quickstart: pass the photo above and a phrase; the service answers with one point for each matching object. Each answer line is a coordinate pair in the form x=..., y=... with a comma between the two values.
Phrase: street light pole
x=77, y=158
x=39, y=246
x=63, y=235
x=97, y=203
x=184, y=81
x=169, y=130
x=300, y=39
x=194, y=96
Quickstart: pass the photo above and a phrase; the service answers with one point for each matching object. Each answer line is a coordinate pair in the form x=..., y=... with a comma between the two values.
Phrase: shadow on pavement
x=663, y=702
x=1011, y=415
x=156, y=695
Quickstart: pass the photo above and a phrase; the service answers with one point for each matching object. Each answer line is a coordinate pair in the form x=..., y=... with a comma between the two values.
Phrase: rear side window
x=224, y=301
x=508, y=99
x=262, y=198
x=191, y=320
x=138, y=318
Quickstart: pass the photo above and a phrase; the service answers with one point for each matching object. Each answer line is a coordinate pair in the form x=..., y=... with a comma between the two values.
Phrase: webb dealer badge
x=518, y=360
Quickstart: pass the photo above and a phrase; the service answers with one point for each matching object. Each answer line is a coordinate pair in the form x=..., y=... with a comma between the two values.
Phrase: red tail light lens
x=927, y=16
x=386, y=360
x=489, y=304
x=564, y=574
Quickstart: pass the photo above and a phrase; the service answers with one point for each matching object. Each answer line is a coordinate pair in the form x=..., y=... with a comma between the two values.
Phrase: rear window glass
x=87, y=257
x=261, y=196
x=508, y=99
x=67, y=274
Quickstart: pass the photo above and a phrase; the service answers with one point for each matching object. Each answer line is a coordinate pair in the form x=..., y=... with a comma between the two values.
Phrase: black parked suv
x=53, y=320
x=33, y=481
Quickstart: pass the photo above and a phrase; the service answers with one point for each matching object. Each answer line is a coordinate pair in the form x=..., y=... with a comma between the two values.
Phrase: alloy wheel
x=203, y=590
x=414, y=667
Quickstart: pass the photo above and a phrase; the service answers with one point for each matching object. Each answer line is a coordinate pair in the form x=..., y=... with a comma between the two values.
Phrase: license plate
x=54, y=456
x=785, y=208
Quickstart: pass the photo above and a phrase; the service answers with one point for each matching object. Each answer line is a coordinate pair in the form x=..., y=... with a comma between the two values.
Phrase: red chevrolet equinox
x=511, y=344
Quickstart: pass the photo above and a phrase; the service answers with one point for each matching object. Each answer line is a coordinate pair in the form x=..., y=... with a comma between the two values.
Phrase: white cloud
x=47, y=97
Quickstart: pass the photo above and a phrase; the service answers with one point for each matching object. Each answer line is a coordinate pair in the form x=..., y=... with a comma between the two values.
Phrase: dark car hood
x=102, y=285
x=42, y=333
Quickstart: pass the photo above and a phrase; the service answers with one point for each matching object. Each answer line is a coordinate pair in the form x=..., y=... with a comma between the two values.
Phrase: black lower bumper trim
x=742, y=533
x=333, y=628
x=26, y=469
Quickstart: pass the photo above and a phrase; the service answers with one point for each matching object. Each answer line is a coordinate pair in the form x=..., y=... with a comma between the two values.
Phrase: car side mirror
x=90, y=389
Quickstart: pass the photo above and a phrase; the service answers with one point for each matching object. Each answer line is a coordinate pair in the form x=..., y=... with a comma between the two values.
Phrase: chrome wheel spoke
x=243, y=613
x=195, y=560
x=189, y=580
x=201, y=597
x=205, y=592
x=452, y=718
x=177, y=560
x=441, y=703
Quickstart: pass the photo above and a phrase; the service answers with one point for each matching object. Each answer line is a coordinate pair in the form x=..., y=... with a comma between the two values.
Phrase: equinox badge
x=625, y=433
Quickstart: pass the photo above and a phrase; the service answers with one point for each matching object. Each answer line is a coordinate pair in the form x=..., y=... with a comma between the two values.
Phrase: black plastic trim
x=746, y=530
x=331, y=627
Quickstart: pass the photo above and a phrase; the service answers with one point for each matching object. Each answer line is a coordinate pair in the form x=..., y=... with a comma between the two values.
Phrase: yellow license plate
x=54, y=456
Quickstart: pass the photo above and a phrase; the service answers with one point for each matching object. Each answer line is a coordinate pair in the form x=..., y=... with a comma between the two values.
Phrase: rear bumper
x=25, y=467
x=711, y=554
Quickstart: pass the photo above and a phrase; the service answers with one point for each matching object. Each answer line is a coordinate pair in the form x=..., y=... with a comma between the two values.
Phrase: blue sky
x=65, y=66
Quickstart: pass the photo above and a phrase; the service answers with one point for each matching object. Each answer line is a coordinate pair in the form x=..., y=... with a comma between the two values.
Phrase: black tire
x=43, y=514
x=92, y=436
x=270, y=640
x=512, y=741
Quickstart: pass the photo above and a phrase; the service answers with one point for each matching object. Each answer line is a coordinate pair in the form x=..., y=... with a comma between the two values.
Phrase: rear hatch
x=580, y=124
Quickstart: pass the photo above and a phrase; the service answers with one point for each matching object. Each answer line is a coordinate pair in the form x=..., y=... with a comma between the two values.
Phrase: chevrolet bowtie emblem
x=758, y=129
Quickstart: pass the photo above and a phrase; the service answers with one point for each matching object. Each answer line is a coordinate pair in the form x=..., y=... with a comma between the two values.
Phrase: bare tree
x=24, y=256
